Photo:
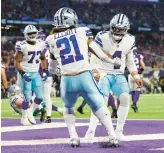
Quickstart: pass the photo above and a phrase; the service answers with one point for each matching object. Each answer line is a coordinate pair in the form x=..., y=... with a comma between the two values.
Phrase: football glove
x=26, y=76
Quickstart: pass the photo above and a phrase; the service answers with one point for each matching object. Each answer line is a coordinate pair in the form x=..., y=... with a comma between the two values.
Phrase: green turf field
x=150, y=107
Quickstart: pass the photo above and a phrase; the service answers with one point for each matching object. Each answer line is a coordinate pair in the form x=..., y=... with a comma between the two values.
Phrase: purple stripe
x=98, y=43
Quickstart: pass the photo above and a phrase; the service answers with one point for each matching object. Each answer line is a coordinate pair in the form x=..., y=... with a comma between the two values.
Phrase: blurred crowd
x=151, y=46
x=147, y=15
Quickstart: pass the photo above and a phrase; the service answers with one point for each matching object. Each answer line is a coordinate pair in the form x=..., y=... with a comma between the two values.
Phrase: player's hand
x=45, y=74
x=44, y=77
x=96, y=75
x=27, y=77
x=139, y=83
x=117, y=61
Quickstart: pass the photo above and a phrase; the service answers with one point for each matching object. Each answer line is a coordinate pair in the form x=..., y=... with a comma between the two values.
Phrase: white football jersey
x=70, y=48
x=31, y=54
x=121, y=50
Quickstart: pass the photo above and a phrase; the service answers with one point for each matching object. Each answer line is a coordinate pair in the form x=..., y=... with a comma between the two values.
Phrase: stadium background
x=147, y=24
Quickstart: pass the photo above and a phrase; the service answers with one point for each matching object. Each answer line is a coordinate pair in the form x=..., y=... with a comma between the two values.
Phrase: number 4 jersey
x=31, y=54
x=70, y=48
x=105, y=41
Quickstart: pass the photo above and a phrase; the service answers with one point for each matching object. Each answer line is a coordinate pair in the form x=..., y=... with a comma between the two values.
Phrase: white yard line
x=67, y=140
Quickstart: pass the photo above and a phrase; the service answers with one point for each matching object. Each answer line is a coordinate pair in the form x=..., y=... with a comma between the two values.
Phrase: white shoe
x=60, y=110
x=25, y=121
x=89, y=136
x=31, y=117
x=119, y=134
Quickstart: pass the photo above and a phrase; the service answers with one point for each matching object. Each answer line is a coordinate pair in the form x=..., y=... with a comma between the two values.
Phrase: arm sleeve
x=88, y=32
x=99, y=52
x=18, y=47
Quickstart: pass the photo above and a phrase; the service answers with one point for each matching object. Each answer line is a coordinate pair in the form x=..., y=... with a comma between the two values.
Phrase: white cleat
x=60, y=110
x=31, y=119
x=89, y=136
x=119, y=135
x=25, y=121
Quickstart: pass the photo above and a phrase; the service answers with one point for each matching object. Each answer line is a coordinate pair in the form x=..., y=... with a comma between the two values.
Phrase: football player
x=134, y=90
x=117, y=43
x=29, y=55
x=69, y=46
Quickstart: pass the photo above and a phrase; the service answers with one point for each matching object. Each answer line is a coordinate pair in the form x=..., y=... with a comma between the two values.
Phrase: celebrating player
x=69, y=46
x=134, y=90
x=29, y=55
x=118, y=43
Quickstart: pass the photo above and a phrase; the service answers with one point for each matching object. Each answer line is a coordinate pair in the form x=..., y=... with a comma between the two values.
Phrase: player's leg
x=47, y=98
x=95, y=100
x=80, y=108
x=121, y=90
x=27, y=93
x=69, y=95
x=111, y=102
x=37, y=87
x=135, y=93
x=57, y=109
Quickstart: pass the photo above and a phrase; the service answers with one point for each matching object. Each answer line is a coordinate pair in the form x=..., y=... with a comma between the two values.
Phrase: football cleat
x=135, y=108
x=80, y=110
x=114, y=114
x=89, y=136
x=25, y=121
x=42, y=115
x=75, y=142
x=31, y=117
x=119, y=134
x=114, y=142
x=60, y=110
x=48, y=120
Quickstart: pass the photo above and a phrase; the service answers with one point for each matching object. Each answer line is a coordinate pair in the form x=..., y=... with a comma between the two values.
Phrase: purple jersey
x=137, y=59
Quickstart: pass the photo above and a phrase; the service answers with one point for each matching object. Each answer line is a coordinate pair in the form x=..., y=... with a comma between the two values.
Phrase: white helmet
x=65, y=17
x=31, y=33
x=119, y=25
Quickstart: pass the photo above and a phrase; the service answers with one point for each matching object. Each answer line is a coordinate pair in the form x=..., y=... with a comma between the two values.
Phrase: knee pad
x=37, y=100
x=124, y=100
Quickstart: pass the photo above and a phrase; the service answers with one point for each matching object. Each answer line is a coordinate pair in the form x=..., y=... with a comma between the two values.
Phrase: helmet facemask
x=118, y=32
x=32, y=36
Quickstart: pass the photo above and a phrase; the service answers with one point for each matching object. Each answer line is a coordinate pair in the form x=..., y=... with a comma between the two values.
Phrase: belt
x=74, y=74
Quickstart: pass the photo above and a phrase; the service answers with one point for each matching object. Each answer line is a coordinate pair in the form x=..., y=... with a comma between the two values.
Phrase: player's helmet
x=31, y=33
x=119, y=25
x=14, y=90
x=65, y=17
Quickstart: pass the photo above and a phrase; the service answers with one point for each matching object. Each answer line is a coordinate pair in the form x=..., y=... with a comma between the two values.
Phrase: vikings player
x=118, y=43
x=134, y=90
x=69, y=46
x=29, y=55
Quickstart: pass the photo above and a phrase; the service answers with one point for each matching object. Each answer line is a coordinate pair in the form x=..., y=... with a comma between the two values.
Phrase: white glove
x=117, y=61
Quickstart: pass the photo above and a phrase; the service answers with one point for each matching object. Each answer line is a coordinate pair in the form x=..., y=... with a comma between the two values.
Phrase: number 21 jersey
x=31, y=54
x=70, y=48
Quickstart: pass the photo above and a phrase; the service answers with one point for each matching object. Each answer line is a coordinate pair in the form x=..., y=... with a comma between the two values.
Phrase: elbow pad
x=52, y=66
